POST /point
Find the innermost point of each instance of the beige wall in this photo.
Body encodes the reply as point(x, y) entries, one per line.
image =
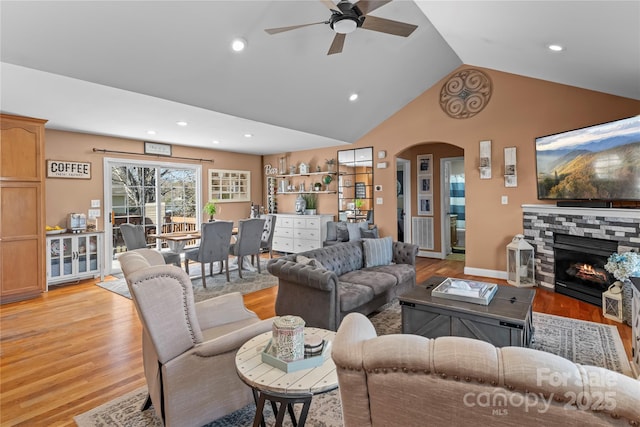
point(75, 195)
point(520, 109)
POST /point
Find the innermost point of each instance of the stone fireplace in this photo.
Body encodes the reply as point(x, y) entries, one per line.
point(579, 266)
point(612, 230)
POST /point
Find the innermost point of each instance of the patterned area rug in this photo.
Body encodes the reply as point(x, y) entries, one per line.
point(586, 343)
point(216, 285)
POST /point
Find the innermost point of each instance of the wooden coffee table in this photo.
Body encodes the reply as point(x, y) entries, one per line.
point(270, 383)
point(506, 321)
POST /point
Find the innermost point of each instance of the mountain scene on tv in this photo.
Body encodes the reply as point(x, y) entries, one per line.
point(596, 163)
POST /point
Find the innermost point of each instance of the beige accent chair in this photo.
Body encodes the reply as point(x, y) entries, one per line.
point(410, 380)
point(189, 348)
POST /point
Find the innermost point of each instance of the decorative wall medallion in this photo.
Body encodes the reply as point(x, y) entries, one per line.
point(465, 94)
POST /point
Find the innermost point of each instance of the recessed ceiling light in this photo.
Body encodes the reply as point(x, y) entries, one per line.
point(238, 45)
point(215, 141)
point(248, 135)
point(182, 123)
point(555, 47)
point(151, 132)
point(353, 97)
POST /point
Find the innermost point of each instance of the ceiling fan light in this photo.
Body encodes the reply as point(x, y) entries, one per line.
point(344, 26)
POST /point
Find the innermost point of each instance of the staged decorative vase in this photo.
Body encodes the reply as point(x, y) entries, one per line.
point(288, 338)
point(301, 205)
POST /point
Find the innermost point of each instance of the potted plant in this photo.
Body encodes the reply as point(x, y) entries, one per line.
point(317, 186)
point(331, 163)
point(311, 203)
point(358, 204)
point(210, 208)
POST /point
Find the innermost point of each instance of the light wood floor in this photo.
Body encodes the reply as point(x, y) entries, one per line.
point(78, 346)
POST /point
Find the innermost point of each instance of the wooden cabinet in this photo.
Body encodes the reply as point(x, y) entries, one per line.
point(22, 218)
point(73, 257)
point(299, 233)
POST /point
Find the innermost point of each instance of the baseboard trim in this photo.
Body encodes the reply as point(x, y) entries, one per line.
point(425, 254)
point(495, 274)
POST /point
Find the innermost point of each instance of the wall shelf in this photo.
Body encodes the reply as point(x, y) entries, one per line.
point(305, 174)
point(307, 192)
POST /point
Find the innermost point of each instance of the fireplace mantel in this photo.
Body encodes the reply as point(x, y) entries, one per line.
point(540, 222)
point(604, 212)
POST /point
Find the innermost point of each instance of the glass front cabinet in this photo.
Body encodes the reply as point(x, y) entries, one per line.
point(73, 257)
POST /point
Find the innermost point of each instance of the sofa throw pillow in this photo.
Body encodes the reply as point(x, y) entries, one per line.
point(342, 232)
point(369, 234)
point(377, 251)
point(332, 233)
point(354, 231)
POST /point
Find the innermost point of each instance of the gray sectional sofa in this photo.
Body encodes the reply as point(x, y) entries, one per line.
point(324, 285)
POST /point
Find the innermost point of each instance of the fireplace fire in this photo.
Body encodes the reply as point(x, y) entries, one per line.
point(579, 266)
point(588, 272)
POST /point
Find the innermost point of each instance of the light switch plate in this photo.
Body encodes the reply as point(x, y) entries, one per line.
point(95, 203)
point(505, 200)
point(378, 200)
point(94, 213)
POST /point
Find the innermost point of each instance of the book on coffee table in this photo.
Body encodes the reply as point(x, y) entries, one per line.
point(466, 290)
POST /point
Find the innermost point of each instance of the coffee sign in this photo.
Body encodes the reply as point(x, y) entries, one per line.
point(66, 169)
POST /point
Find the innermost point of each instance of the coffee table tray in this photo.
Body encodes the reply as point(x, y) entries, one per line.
point(268, 356)
point(447, 289)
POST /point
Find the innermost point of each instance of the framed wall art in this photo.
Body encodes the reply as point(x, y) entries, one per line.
point(425, 205)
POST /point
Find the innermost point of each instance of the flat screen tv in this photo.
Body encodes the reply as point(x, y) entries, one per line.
point(600, 162)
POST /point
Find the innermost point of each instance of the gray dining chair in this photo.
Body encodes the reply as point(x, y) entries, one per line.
point(248, 242)
point(266, 240)
point(135, 237)
point(215, 239)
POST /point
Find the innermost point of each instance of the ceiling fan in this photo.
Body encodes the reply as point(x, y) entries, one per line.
point(350, 16)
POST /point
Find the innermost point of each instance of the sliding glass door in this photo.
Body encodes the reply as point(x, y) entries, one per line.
point(164, 197)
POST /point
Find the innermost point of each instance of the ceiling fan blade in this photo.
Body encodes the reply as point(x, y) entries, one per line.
point(337, 44)
point(331, 5)
point(367, 6)
point(388, 26)
point(293, 27)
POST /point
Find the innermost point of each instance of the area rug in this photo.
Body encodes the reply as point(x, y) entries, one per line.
point(216, 285)
point(583, 342)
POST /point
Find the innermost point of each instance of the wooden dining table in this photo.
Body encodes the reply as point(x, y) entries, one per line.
point(178, 240)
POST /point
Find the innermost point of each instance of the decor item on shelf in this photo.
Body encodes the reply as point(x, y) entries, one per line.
point(612, 302)
point(331, 165)
point(292, 170)
point(358, 203)
point(327, 180)
point(303, 168)
point(301, 205)
point(210, 208)
point(317, 186)
point(318, 168)
point(282, 165)
point(311, 203)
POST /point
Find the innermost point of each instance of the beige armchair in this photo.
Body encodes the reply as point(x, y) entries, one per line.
point(409, 380)
point(189, 348)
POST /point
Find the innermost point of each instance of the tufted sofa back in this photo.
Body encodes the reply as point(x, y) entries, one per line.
point(341, 258)
point(454, 381)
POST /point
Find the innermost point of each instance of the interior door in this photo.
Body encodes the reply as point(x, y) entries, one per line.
point(446, 206)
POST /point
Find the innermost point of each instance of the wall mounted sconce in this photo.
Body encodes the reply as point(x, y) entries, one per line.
point(510, 172)
point(485, 159)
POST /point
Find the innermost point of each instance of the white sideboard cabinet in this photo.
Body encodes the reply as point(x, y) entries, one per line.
point(74, 256)
point(299, 233)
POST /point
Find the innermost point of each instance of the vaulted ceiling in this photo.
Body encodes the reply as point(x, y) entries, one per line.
point(125, 68)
